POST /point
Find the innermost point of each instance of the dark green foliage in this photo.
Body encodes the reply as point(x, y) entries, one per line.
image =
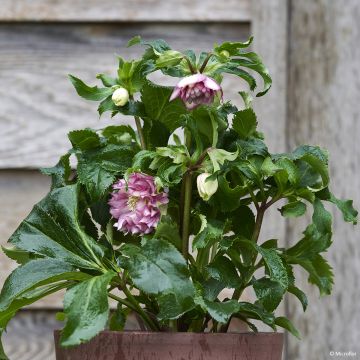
point(68, 241)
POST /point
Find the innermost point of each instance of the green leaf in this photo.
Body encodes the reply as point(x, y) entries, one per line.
point(60, 316)
point(227, 198)
point(288, 325)
point(275, 265)
point(206, 121)
point(345, 206)
point(107, 80)
point(291, 169)
point(157, 105)
point(98, 168)
point(20, 256)
point(219, 156)
point(178, 154)
point(244, 123)
point(211, 230)
point(30, 275)
point(293, 209)
point(52, 230)
point(2, 352)
point(167, 229)
point(254, 62)
point(223, 270)
point(255, 311)
point(87, 309)
point(268, 168)
point(118, 318)
point(169, 173)
point(233, 47)
point(134, 41)
point(155, 133)
point(59, 173)
point(169, 58)
point(234, 70)
point(90, 93)
point(84, 139)
point(26, 299)
point(300, 295)
point(268, 292)
point(312, 164)
point(320, 273)
point(132, 108)
point(243, 221)
point(142, 159)
point(132, 74)
point(219, 311)
point(317, 236)
point(120, 134)
point(247, 98)
point(158, 268)
point(158, 46)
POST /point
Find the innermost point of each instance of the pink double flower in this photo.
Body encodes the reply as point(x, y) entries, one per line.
point(195, 90)
point(136, 204)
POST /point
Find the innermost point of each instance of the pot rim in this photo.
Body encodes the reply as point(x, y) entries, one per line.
point(172, 333)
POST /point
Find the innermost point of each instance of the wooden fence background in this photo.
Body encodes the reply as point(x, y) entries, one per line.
point(312, 50)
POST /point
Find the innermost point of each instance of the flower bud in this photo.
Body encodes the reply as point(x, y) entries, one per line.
point(206, 188)
point(225, 53)
point(120, 97)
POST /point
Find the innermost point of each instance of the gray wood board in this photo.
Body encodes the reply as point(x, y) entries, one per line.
point(124, 10)
point(324, 92)
point(39, 105)
point(29, 334)
point(271, 44)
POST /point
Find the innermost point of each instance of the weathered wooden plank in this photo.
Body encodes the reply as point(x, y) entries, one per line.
point(324, 92)
point(124, 10)
point(271, 109)
point(29, 335)
point(39, 105)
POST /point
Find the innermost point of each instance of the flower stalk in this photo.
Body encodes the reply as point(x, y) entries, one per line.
point(139, 129)
point(186, 214)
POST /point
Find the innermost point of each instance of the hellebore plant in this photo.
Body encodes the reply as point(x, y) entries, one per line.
point(162, 221)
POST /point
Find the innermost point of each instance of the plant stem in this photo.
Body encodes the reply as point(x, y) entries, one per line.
point(140, 310)
point(186, 214)
point(193, 71)
point(139, 129)
point(203, 66)
point(134, 304)
point(173, 325)
point(259, 219)
point(122, 301)
point(140, 132)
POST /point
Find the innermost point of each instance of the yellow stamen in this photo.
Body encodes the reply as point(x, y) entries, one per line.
point(132, 202)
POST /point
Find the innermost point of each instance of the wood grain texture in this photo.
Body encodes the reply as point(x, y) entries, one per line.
point(124, 10)
point(175, 346)
point(324, 92)
point(39, 105)
point(271, 108)
point(30, 335)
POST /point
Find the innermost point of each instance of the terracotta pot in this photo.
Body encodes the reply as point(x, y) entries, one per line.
point(111, 345)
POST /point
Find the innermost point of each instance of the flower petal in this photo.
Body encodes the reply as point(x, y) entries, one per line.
point(191, 80)
point(175, 93)
point(210, 83)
